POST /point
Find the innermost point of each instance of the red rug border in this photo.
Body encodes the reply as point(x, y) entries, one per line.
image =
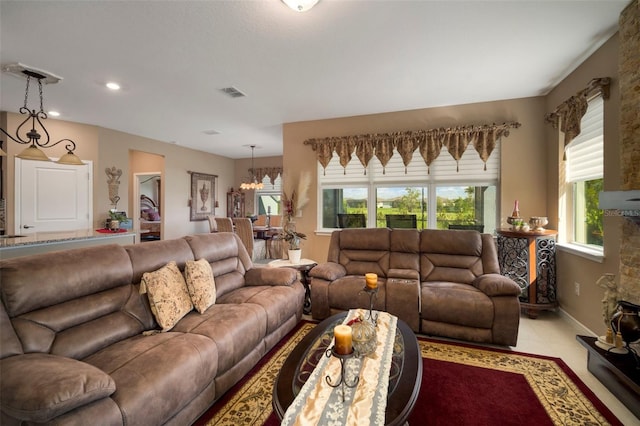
point(589, 394)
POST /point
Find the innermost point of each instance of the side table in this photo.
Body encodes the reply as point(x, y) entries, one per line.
point(304, 266)
point(529, 258)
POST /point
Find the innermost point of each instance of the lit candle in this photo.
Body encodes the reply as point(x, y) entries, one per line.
point(372, 280)
point(344, 345)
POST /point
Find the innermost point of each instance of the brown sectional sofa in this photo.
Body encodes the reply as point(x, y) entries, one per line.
point(72, 348)
point(440, 282)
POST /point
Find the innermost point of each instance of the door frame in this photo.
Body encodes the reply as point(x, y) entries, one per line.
point(137, 177)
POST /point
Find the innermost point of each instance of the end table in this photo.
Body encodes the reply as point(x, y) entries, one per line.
point(304, 266)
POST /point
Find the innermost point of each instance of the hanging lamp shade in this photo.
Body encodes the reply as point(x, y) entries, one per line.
point(33, 153)
point(70, 159)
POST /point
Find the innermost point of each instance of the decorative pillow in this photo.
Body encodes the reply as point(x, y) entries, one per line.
point(40, 387)
point(153, 215)
point(144, 214)
point(200, 283)
point(168, 295)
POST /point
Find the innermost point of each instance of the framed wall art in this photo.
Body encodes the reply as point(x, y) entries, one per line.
point(203, 195)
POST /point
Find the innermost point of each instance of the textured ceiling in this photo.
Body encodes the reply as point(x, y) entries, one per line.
point(342, 58)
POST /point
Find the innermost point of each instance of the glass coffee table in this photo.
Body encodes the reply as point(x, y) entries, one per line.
point(405, 376)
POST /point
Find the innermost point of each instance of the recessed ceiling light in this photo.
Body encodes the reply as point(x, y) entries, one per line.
point(113, 86)
point(54, 113)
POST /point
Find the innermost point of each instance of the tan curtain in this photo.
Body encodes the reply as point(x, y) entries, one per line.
point(271, 172)
point(568, 114)
point(384, 150)
point(406, 145)
point(364, 152)
point(429, 142)
point(430, 147)
point(456, 144)
point(344, 149)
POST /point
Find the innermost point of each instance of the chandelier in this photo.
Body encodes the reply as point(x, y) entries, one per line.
point(253, 184)
point(32, 137)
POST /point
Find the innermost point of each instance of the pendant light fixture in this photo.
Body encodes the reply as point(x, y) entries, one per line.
point(253, 183)
point(32, 137)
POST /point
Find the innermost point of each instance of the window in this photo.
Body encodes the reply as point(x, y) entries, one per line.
point(584, 178)
point(467, 198)
point(268, 198)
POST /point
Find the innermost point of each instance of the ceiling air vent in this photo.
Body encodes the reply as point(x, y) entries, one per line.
point(23, 71)
point(233, 92)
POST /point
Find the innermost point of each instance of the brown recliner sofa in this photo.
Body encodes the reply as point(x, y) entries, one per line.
point(440, 282)
point(72, 348)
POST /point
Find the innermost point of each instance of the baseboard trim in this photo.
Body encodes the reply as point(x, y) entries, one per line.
point(567, 317)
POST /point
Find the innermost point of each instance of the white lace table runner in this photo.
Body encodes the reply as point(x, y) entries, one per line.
point(320, 404)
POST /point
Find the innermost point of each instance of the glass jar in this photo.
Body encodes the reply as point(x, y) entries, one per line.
point(364, 337)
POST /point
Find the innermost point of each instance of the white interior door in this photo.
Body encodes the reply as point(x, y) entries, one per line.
point(53, 197)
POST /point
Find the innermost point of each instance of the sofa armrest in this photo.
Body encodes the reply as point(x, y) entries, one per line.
point(329, 271)
point(40, 387)
point(271, 276)
point(497, 285)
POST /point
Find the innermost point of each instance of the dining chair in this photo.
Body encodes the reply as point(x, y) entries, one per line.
point(224, 224)
point(213, 226)
point(352, 220)
point(401, 221)
point(256, 247)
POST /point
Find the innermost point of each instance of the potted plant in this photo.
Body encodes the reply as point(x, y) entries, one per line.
point(293, 238)
point(115, 217)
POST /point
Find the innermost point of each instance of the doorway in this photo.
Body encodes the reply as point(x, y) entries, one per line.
point(147, 193)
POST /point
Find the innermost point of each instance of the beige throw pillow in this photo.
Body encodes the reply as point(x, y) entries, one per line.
point(168, 295)
point(200, 283)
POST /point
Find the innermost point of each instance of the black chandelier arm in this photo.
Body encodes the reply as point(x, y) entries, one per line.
point(32, 135)
point(70, 146)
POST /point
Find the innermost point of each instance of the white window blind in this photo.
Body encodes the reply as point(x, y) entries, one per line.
point(443, 169)
point(585, 152)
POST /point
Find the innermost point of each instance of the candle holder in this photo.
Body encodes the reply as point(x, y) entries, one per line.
point(343, 381)
point(373, 293)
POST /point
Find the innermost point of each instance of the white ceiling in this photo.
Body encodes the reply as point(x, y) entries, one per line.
point(342, 58)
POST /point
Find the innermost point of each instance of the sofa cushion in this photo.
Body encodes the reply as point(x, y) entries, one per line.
point(168, 295)
point(200, 283)
point(157, 376)
point(456, 303)
point(236, 329)
point(346, 293)
point(40, 387)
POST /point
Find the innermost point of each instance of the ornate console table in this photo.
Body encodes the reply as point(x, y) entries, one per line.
point(529, 258)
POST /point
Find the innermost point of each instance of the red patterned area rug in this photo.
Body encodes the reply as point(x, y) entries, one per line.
point(461, 385)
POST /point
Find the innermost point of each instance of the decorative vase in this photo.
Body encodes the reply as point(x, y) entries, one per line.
point(295, 255)
point(364, 337)
point(114, 225)
point(626, 321)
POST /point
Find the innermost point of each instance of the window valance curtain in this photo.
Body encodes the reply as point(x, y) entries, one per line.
point(271, 172)
point(568, 114)
point(429, 142)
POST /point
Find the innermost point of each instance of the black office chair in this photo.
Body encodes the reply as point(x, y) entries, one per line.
point(402, 221)
point(352, 220)
point(479, 228)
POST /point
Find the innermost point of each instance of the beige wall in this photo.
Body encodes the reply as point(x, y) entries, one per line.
point(523, 153)
point(108, 148)
point(572, 268)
